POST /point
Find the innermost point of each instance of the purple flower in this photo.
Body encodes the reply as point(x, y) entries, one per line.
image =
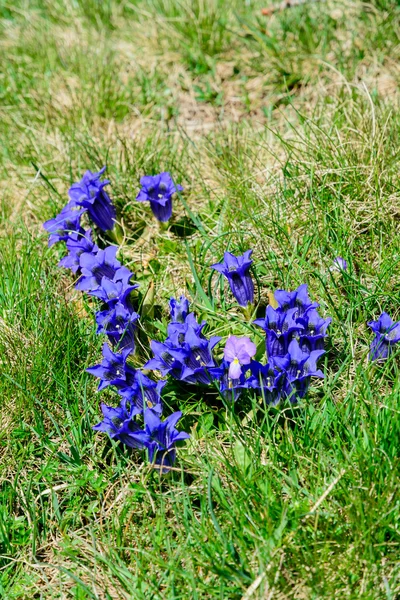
point(77, 243)
point(186, 353)
point(64, 224)
point(94, 266)
point(302, 366)
point(119, 324)
point(160, 437)
point(89, 193)
point(298, 299)
point(314, 332)
point(238, 352)
point(268, 379)
point(158, 190)
point(339, 264)
point(387, 333)
point(280, 327)
point(237, 271)
point(119, 422)
point(179, 309)
point(143, 392)
point(113, 292)
point(113, 370)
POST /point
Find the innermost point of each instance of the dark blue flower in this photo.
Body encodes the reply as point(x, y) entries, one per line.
point(77, 243)
point(119, 324)
point(89, 193)
point(298, 299)
point(186, 353)
point(113, 292)
point(64, 224)
point(113, 370)
point(237, 271)
point(96, 265)
point(119, 422)
point(268, 379)
point(314, 332)
point(302, 366)
point(160, 437)
point(387, 333)
point(280, 327)
point(158, 190)
point(179, 309)
point(143, 392)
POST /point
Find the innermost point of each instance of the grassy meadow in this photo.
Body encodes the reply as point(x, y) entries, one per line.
point(284, 131)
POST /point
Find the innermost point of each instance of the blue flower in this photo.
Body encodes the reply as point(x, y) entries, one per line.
point(314, 332)
point(144, 392)
point(179, 309)
point(77, 243)
point(113, 370)
point(113, 292)
point(160, 437)
point(268, 379)
point(64, 224)
point(302, 366)
point(280, 326)
point(237, 271)
point(298, 299)
point(158, 190)
point(119, 324)
point(96, 265)
point(387, 333)
point(119, 423)
point(339, 264)
point(89, 193)
point(229, 388)
point(186, 353)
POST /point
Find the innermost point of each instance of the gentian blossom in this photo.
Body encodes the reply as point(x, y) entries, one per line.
point(77, 243)
point(186, 353)
point(64, 224)
point(119, 324)
point(113, 292)
point(298, 299)
point(158, 190)
point(119, 422)
point(387, 333)
point(280, 327)
point(95, 266)
point(237, 271)
point(113, 370)
point(89, 194)
point(268, 379)
point(229, 388)
point(143, 392)
point(302, 366)
point(160, 437)
point(179, 309)
point(238, 352)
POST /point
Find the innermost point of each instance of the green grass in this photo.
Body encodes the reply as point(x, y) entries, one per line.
point(284, 133)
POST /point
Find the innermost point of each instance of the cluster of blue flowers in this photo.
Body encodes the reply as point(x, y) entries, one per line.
point(294, 330)
point(101, 275)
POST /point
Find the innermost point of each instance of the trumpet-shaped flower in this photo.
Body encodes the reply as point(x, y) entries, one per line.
point(179, 309)
point(119, 324)
point(237, 271)
point(280, 327)
point(302, 366)
point(160, 437)
point(89, 193)
point(64, 224)
point(158, 190)
point(77, 243)
point(298, 299)
point(113, 370)
point(119, 422)
point(387, 333)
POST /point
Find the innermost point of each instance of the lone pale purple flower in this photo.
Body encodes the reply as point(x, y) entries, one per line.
point(238, 352)
point(237, 271)
point(339, 264)
point(158, 190)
